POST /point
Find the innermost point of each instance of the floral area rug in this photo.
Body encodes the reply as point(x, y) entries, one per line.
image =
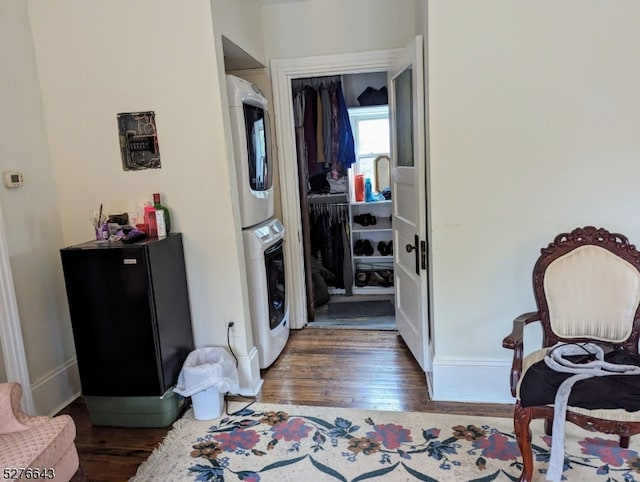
point(266, 442)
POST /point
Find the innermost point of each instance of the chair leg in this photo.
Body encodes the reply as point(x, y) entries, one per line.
point(548, 426)
point(521, 419)
point(624, 441)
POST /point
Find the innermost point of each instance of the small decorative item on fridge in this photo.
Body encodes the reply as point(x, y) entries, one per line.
point(98, 219)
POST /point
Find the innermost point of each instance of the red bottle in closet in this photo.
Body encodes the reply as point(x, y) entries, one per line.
point(359, 187)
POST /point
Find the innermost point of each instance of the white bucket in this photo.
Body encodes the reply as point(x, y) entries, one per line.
point(207, 404)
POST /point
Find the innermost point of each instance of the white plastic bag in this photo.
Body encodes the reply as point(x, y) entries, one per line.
point(205, 368)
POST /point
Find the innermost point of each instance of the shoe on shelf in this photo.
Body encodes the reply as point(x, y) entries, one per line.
point(365, 219)
point(362, 278)
point(361, 219)
point(367, 248)
point(382, 248)
point(358, 248)
point(376, 279)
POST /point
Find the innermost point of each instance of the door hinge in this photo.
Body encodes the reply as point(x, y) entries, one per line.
point(423, 254)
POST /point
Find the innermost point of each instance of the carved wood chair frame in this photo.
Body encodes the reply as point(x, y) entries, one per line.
point(561, 245)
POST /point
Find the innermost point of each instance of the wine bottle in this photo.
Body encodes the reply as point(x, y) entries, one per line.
point(159, 207)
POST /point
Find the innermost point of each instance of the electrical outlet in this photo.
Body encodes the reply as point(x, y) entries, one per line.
point(232, 329)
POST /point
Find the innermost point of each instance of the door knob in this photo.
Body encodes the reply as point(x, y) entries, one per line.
point(410, 247)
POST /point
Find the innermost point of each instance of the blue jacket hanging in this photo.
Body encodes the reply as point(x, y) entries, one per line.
point(346, 149)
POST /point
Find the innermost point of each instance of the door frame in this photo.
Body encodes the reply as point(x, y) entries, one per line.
point(283, 71)
point(15, 359)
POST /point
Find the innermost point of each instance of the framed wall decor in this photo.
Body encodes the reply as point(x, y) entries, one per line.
point(138, 141)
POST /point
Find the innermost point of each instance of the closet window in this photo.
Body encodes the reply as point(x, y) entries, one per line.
point(371, 135)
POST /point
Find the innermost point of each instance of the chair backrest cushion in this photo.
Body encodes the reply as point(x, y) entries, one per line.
point(592, 293)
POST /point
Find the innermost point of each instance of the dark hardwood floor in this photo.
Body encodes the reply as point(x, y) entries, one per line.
point(339, 368)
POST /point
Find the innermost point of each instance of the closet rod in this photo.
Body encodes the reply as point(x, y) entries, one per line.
point(315, 81)
point(328, 203)
point(336, 199)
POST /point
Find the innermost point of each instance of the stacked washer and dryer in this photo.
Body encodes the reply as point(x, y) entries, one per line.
point(263, 235)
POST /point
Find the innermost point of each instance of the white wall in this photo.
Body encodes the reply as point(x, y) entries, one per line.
point(31, 217)
point(323, 27)
point(240, 21)
point(533, 131)
point(98, 59)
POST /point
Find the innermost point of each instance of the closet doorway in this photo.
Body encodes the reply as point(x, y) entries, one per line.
point(284, 74)
point(343, 160)
point(405, 67)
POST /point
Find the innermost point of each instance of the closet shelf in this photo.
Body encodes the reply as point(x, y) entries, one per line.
point(374, 258)
point(370, 203)
point(381, 225)
point(373, 290)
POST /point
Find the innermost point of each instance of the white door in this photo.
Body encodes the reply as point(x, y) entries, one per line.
point(408, 160)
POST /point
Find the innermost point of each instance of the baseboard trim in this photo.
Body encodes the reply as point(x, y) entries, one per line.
point(58, 388)
point(471, 380)
point(249, 373)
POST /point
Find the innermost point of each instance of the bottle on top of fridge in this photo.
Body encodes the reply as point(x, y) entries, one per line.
point(150, 221)
point(162, 215)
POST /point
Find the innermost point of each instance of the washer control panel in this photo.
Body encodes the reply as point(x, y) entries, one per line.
point(264, 234)
point(270, 231)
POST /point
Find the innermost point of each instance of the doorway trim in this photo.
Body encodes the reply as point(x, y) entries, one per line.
point(283, 71)
point(15, 359)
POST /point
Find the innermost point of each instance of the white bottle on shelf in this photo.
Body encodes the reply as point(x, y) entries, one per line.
point(160, 223)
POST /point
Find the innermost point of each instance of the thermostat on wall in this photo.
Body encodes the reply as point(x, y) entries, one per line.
point(12, 179)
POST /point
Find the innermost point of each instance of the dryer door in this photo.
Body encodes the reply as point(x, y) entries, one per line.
point(274, 264)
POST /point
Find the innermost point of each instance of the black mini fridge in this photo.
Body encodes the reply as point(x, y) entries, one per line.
point(131, 321)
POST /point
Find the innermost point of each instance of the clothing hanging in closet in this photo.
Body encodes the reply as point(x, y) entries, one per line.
point(326, 149)
point(324, 138)
point(330, 242)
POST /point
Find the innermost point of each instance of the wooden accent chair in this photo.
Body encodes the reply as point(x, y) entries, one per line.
point(35, 443)
point(587, 289)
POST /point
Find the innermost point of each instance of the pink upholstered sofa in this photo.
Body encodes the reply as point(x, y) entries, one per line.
point(40, 445)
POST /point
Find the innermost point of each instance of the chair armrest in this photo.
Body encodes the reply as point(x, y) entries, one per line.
point(11, 416)
point(514, 341)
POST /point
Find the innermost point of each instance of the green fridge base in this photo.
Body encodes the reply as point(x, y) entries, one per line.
point(139, 412)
